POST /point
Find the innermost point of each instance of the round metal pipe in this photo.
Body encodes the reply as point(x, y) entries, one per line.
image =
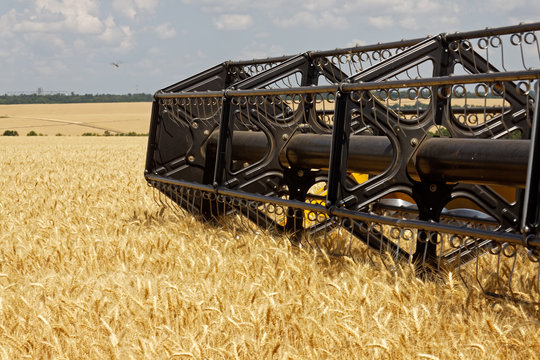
point(480, 161)
point(367, 154)
point(477, 161)
point(249, 146)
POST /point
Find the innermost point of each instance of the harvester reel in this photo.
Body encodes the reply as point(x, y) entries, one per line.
point(425, 149)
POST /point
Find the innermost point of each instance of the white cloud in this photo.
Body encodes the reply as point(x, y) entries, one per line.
point(220, 6)
point(86, 24)
point(121, 36)
point(64, 19)
point(282, 13)
point(355, 43)
point(257, 50)
point(233, 22)
point(313, 20)
point(6, 22)
point(80, 16)
point(448, 21)
point(86, 35)
point(111, 32)
point(54, 16)
point(501, 5)
point(165, 31)
point(132, 8)
point(409, 22)
point(79, 44)
point(125, 7)
point(38, 26)
point(51, 67)
point(319, 5)
point(380, 22)
point(147, 5)
point(411, 6)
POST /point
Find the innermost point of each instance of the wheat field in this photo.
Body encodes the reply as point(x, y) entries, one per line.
point(76, 119)
point(91, 267)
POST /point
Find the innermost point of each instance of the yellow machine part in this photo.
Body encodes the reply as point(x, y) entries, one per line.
point(359, 178)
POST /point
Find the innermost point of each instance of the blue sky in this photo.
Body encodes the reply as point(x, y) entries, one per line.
point(70, 45)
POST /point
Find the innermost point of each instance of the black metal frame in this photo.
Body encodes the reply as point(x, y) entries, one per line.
point(193, 158)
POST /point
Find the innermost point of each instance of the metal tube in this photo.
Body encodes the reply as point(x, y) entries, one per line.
point(487, 32)
point(531, 207)
point(371, 85)
point(367, 154)
point(249, 146)
point(436, 227)
point(477, 161)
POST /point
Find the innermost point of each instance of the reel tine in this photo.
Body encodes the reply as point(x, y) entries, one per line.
point(439, 242)
point(370, 248)
point(161, 203)
point(351, 229)
point(411, 249)
point(459, 246)
point(196, 196)
point(538, 281)
point(239, 215)
point(170, 202)
point(256, 212)
point(506, 252)
point(247, 207)
point(166, 196)
point(424, 239)
point(154, 189)
point(498, 272)
point(477, 267)
point(244, 214)
point(512, 255)
point(183, 198)
point(345, 237)
point(200, 197)
point(190, 201)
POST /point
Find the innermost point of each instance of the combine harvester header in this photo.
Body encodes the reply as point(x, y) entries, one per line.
point(427, 150)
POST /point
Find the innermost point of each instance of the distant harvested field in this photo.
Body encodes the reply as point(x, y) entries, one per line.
point(91, 267)
point(76, 119)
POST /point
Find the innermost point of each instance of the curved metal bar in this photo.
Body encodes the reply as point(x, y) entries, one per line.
point(372, 85)
point(400, 44)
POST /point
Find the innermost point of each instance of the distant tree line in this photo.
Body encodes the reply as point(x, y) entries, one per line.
point(105, 133)
point(72, 98)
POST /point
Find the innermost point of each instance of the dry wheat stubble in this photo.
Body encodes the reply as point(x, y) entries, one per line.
point(90, 268)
